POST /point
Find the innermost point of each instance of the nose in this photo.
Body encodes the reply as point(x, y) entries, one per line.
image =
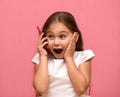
point(56, 42)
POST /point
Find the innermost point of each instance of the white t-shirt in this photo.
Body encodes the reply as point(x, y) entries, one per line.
point(60, 84)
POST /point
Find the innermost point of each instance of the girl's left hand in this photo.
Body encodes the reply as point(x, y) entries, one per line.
point(71, 47)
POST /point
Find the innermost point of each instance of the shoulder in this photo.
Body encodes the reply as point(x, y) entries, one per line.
point(82, 56)
point(36, 58)
point(84, 53)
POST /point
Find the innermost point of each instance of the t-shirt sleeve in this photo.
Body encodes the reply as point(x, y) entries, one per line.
point(36, 59)
point(86, 55)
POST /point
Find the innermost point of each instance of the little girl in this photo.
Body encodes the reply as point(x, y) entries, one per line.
point(62, 67)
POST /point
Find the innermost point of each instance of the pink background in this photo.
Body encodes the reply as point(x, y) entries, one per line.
point(99, 21)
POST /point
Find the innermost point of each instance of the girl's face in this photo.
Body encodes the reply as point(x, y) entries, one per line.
point(58, 36)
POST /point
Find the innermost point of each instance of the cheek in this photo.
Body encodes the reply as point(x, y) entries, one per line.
point(50, 44)
point(66, 43)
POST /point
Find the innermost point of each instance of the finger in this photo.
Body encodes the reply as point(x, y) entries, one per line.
point(40, 36)
point(44, 44)
point(74, 37)
point(70, 44)
point(44, 39)
point(40, 41)
point(73, 41)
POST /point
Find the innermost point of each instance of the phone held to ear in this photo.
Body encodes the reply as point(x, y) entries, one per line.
point(46, 46)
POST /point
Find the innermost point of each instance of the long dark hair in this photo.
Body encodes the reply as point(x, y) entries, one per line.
point(68, 20)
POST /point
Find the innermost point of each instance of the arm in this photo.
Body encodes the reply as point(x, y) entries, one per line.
point(41, 77)
point(80, 77)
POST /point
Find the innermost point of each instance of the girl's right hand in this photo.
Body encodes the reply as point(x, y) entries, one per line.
point(41, 44)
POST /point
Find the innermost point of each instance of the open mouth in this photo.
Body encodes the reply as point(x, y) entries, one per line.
point(58, 51)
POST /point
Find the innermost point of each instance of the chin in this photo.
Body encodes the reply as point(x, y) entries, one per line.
point(58, 56)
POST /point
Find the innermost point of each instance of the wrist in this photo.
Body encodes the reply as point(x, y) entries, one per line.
point(43, 58)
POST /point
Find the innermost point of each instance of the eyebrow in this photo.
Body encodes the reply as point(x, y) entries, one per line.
point(49, 32)
point(63, 31)
point(60, 31)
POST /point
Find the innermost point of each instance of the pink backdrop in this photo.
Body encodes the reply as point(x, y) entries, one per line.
point(99, 21)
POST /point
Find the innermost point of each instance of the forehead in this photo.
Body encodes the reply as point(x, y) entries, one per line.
point(57, 27)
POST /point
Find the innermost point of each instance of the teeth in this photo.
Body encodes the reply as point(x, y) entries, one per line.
point(58, 51)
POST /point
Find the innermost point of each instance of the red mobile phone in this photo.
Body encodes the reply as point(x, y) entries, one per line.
point(46, 46)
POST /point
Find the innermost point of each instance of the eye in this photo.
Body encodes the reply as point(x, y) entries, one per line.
point(50, 36)
point(62, 36)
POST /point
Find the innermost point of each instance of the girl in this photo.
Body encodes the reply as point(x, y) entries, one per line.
point(62, 67)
